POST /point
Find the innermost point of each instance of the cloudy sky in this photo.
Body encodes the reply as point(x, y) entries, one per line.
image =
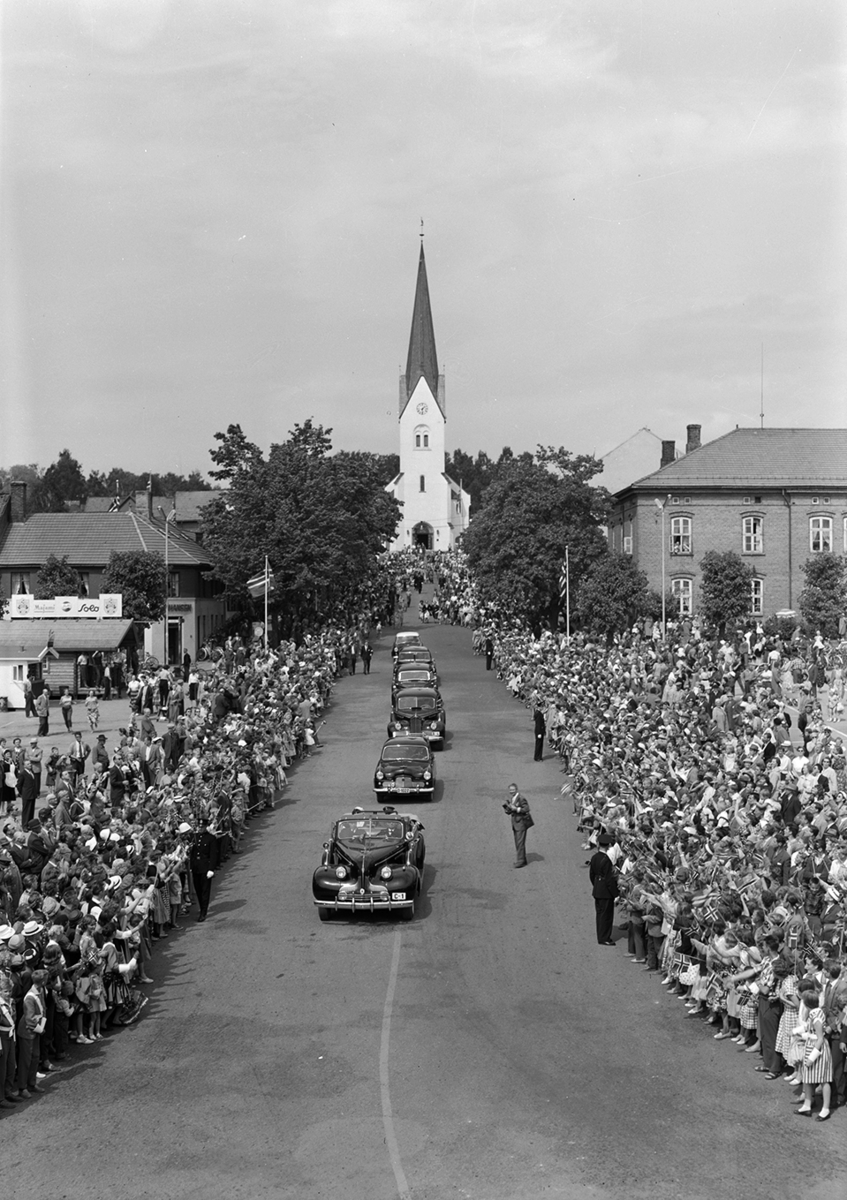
point(211, 208)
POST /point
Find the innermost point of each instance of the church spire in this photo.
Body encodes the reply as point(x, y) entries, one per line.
point(422, 360)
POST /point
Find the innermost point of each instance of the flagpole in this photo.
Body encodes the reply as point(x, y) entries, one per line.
point(267, 583)
point(568, 593)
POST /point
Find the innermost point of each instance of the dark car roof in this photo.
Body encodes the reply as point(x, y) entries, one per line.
point(422, 689)
point(406, 739)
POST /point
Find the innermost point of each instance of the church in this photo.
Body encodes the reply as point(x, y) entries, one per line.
point(435, 509)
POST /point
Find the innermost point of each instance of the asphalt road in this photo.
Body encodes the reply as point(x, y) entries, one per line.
point(490, 1050)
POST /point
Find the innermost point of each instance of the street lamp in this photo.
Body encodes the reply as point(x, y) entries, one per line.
point(168, 517)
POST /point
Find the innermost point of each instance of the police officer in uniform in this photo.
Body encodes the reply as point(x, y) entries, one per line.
point(203, 861)
point(604, 885)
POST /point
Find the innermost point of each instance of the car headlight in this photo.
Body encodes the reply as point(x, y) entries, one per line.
point(398, 725)
point(385, 873)
point(427, 775)
point(433, 725)
point(380, 775)
point(340, 872)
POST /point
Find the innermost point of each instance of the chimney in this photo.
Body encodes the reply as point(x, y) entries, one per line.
point(144, 504)
point(668, 454)
point(18, 507)
point(693, 438)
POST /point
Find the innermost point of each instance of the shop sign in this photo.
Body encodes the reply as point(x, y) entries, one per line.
point(95, 607)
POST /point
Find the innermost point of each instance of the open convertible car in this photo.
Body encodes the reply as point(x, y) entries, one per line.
point(373, 862)
point(406, 765)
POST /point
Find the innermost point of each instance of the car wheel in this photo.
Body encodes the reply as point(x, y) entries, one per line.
point(325, 914)
point(406, 914)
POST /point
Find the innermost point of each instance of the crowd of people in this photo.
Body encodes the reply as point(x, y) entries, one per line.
point(106, 848)
point(705, 771)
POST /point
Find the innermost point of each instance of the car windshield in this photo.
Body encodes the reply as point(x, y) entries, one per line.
point(409, 702)
point(395, 753)
point(370, 830)
point(413, 675)
point(415, 654)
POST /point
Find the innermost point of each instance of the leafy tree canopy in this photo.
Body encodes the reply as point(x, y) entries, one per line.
point(612, 595)
point(63, 480)
point(140, 576)
point(57, 578)
point(320, 518)
point(823, 600)
point(725, 587)
point(534, 509)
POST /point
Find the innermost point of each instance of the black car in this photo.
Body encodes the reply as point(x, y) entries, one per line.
point(412, 674)
point(414, 654)
point(373, 862)
point(405, 638)
point(406, 766)
point(419, 710)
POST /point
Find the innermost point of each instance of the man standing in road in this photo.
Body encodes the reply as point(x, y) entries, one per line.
point(518, 810)
point(42, 708)
point(604, 885)
point(540, 729)
point(489, 651)
point(203, 860)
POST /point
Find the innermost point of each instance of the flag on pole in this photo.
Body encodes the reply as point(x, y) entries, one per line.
point(261, 582)
point(563, 580)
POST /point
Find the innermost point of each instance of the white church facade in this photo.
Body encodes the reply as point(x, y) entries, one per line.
point(435, 509)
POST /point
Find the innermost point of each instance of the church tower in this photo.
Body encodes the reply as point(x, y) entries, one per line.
point(436, 509)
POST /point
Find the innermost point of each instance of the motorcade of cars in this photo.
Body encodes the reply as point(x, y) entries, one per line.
point(373, 862)
point(406, 766)
point(419, 710)
point(404, 638)
point(421, 655)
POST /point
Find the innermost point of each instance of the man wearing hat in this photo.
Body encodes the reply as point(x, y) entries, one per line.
point(34, 755)
point(203, 860)
point(604, 886)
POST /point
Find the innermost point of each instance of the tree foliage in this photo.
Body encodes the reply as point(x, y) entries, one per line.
point(612, 595)
point(62, 481)
point(823, 600)
point(725, 587)
point(140, 576)
point(57, 578)
point(320, 518)
point(534, 508)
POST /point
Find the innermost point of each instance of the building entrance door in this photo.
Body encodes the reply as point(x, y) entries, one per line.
point(422, 536)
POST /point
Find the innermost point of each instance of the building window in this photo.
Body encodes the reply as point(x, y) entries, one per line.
point(173, 583)
point(681, 535)
point(423, 483)
point(84, 584)
point(757, 597)
point(627, 544)
point(417, 441)
point(820, 535)
point(20, 583)
point(753, 540)
point(422, 437)
point(682, 592)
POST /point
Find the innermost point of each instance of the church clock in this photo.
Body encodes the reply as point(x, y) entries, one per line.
point(423, 409)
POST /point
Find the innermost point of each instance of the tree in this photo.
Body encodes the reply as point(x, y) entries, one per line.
point(139, 575)
point(534, 509)
point(321, 519)
point(57, 578)
point(62, 481)
point(612, 595)
point(725, 587)
point(823, 600)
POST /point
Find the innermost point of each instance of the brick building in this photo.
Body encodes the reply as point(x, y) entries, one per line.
point(774, 496)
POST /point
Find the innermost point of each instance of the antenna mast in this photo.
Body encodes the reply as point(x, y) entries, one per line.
point(762, 394)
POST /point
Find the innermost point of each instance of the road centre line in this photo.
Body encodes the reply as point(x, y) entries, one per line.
point(384, 1091)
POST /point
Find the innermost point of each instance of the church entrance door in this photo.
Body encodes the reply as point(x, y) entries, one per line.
point(422, 536)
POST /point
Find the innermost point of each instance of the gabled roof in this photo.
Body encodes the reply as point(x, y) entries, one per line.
point(789, 458)
point(422, 360)
point(89, 538)
point(26, 639)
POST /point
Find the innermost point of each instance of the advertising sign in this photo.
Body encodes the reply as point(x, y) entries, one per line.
point(97, 607)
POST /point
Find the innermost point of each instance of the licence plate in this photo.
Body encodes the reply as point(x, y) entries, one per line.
point(401, 789)
point(398, 895)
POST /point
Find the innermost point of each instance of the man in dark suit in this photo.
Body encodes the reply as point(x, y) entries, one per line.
point(517, 808)
point(540, 729)
point(28, 792)
point(203, 861)
point(604, 886)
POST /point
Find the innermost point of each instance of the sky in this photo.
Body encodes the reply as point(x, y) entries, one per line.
point(210, 214)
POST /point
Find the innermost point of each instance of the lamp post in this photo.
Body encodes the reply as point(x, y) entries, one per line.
point(660, 504)
point(168, 517)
